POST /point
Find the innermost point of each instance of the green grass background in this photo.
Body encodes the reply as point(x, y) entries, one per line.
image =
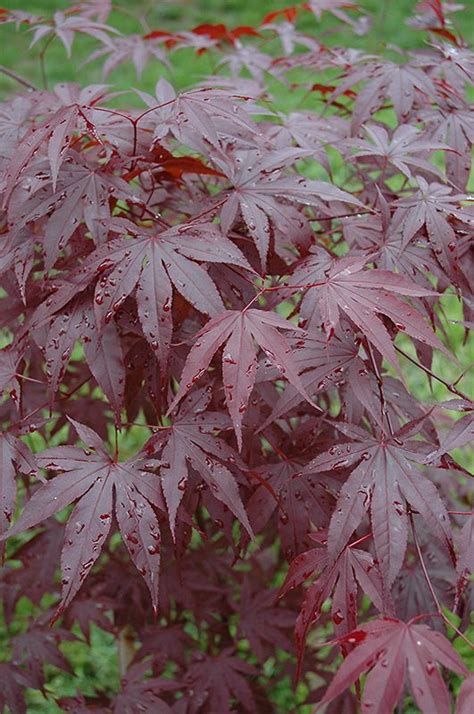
point(388, 28)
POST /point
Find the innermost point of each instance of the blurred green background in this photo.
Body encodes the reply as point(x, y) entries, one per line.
point(140, 16)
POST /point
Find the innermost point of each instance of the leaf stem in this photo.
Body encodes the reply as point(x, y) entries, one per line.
point(450, 387)
point(431, 588)
point(360, 540)
point(460, 513)
point(63, 398)
point(42, 54)
point(378, 378)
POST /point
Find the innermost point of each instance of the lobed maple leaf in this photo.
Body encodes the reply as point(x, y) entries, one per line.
point(340, 577)
point(164, 644)
point(65, 27)
point(55, 132)
point(310, 131)
point(289, 37)
point(454, 126)
point(383, 481)
point(190, 442)
point(251, 59)
point(132, 47)
point(37, 647)
point(85, 612)
point(300, 500)
point(258, 183)
point(344, 285)
point(261, 622)
point(134, 688)
point(406, 149)
point(215, 681)
point(82, 193)
point(411, 590)
point(404, 85)
point(321, 364)
point(100, 486)
point(237, 331)
point(151, 263)
point(388, 649)
point(198, 117)
point(432, 206)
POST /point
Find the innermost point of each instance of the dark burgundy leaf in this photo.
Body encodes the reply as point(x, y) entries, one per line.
point(216, 681)
point(254, 287)
point(238, 331)
point(190, 442)
point(97, 482)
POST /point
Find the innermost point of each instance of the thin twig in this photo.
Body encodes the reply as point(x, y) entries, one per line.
point(13, 75)
point(431, 589)
point(450, 387)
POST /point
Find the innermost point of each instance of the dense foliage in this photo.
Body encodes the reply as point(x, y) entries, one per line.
point(222, 324)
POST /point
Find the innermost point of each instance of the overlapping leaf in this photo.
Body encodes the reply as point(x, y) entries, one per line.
point(238, 331)
point(65, 27)
point(190, 443)
point(12, 452)
point(197, 117)
point(130, 246)
point(344, 286)
point(407, 149)
point(341, 577)
point(258, 184)
point(99, 486)
point(382, 483)
point(82, 193)
point(264, 624)
point(299, 500)
point(215, 681)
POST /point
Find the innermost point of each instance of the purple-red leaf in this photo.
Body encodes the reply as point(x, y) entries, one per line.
point(386, 649)
point(238, 332)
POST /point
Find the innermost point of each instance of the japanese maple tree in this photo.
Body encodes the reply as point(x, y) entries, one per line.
point(235, 412)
